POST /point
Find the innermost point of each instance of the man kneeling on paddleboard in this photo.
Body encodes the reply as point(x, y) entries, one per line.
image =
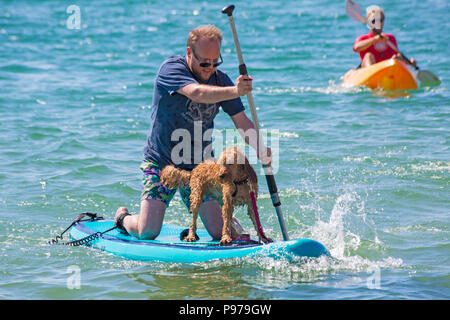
point(188, 92)
point(374, 47)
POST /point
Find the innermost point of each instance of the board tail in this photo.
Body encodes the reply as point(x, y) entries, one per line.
point(175, 178)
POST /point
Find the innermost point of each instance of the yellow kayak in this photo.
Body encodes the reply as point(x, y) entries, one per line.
point(391, 74)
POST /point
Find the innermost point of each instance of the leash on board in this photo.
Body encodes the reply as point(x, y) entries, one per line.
point(82, 241)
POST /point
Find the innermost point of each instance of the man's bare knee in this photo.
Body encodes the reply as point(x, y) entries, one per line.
point(148, 234)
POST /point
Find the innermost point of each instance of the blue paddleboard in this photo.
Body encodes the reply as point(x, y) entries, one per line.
point(168, 247)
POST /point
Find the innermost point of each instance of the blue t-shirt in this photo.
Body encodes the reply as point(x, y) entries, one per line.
point(180, 129)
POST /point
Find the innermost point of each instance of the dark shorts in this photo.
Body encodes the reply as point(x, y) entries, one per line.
point(154, 189)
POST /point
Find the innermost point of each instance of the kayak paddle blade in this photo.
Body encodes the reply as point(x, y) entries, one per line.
point(354, 11)
point(428, 78)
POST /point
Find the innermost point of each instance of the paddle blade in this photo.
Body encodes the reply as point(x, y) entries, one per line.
point(428, 78)
point(354, 11)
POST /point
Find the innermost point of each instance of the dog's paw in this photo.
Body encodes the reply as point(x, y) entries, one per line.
point(225, 240)
point(265, 240)
point(190, 239)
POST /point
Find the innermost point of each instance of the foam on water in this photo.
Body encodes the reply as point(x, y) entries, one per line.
point(349, 250)
point(341, 234)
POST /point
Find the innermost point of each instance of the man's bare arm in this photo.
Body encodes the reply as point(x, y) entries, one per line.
point(203, 93)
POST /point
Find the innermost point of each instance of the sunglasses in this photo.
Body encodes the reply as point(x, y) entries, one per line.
point(207, 64)
point(381, 21)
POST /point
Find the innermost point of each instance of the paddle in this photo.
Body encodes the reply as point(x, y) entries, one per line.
point(426, 77)
point(267, 169)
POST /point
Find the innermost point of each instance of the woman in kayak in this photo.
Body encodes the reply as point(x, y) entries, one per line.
point(373, 47)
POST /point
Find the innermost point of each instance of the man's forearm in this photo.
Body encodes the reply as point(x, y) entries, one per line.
point(203, 93)
point(248, 132)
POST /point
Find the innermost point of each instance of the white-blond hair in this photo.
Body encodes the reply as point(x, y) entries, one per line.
point(373, 9)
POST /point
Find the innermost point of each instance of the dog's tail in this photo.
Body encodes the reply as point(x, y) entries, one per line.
point(175, 178)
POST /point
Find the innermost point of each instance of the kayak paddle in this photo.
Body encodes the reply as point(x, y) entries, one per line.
point(426, 77)
point(228, 10)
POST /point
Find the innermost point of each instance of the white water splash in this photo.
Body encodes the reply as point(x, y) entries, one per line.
point(333, 234)
point(344, 244)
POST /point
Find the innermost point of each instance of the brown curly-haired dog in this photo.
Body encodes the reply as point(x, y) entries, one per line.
point(228, 181)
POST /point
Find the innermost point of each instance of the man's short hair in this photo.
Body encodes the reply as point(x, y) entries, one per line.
point(209, 31)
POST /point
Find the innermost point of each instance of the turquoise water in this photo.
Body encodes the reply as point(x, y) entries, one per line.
point(365, 174)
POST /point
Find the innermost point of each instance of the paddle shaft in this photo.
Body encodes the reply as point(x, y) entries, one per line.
point(267, 169)
point(393, 47)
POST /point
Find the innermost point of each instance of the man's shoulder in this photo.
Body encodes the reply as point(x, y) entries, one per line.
point(178, 61)
point(221, 73)
point(223, 78)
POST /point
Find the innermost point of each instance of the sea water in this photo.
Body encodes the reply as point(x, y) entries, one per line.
point(367, 174)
